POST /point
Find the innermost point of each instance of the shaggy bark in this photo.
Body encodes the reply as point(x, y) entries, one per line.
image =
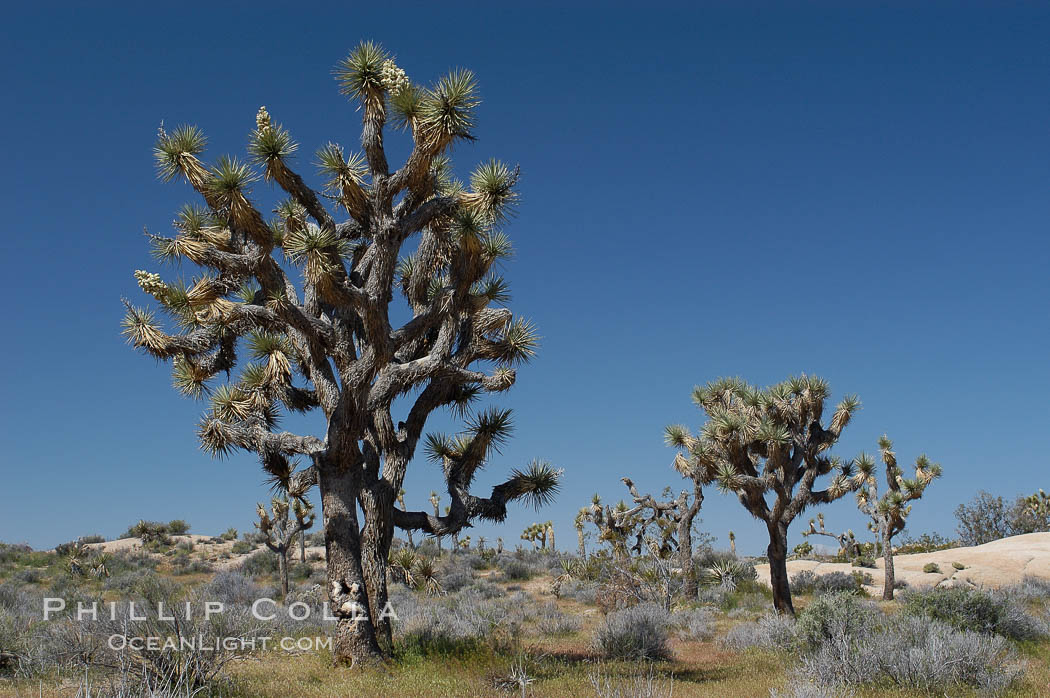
point(689, 511)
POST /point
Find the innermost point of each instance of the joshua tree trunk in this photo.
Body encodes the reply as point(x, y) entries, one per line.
point(282, 568)
point(302, 547)
point(581, 545)
point(377, 504)
point(778, 576)
point(887, 556)
point(685, 542)
point(353, 641)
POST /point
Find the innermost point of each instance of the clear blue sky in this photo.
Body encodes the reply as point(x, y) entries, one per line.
point(861, 193)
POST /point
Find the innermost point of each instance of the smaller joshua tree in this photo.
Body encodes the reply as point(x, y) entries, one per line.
point(280, 526)
point(614, 525)
point(582, 517)
point(732, 542)
point(499, 546)
point(848, 545)
point(674, 519)
point(284, 480)
point(536, 533)
point(888, 514)
point(768, 447)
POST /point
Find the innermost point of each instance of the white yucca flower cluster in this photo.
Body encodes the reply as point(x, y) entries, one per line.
point(262, 119)
point(394, 78)
point(151, 283)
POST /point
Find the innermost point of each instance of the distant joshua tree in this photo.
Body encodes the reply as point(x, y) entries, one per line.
point(310, 301)
point(758, 442)
point(732, 542)
point(536, 534)
point(888, 514)
point(848, 545)
point(674, 518)
point(285, 520)
point(581, 536)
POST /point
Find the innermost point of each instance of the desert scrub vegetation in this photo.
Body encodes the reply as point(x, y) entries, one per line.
point(933, 644)
point(637, 632)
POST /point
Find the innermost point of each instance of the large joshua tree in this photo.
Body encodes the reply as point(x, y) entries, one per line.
point(312, 301)
point(759, 442)
point(888, 513)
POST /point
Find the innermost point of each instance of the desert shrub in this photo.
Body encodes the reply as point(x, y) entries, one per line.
point(552, 621)
point(728, 573)
point(184, 546)
point(639, 632)
point(931, 568)
point(178, 527)
point(241, 547)
point(770, 632)
point(750, 597)
point(187, 565)
point(975, 610)
point(260, 563)
point(912, 652)
point(807, 582)
point(92, 538)
point(125, 582)
point(230, 534)
point(958, 565)
point(455, 580)
point(232, 588)
point(193, 665)
point(29, 575)
point(473, 561)
point(986, 518)
point(486, 589)
point(154, 588)
point(832, 616)
point(695, 623)
point(803, 582)
point(130, 560)
point(716, 596)
point(863, 562)
point(581, 591)
point(517, 570)
point(1030, 589)
point(925, 543)
point(148, 532)
point(456, 623)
